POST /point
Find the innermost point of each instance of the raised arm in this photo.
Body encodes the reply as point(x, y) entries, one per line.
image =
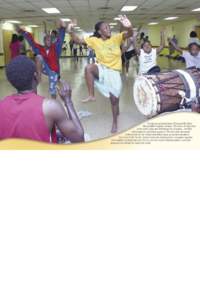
point(74, 36)
point(125, 22)
point(29, 38)
point(77, 131)
point(61, 37)
point(176, 46)
point(66, 121)
point(162, 42)
point(137, 49)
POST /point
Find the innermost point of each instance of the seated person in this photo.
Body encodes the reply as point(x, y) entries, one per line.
point(148, 56)
point(27, 115)
point(193, 38)
point(192, 56)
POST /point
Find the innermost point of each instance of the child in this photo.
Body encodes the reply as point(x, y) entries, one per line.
point(47, 56)
point(106, 74)
point(192, 57)
point(193, 38)
point(148, 56)
point(14, 46)
point(128, 51)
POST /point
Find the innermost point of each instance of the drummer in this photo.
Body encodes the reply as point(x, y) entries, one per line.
point(148, 56)
point(192, 56)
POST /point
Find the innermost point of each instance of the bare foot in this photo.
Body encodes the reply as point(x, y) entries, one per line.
point(114, 128)
point(89, 99)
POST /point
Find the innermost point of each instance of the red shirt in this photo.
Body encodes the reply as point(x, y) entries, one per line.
point(15, 49)
point(21, 116)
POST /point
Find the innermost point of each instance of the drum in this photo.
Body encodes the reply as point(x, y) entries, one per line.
point(166, 92)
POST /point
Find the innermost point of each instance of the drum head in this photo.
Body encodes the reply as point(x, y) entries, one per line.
point(145, 96)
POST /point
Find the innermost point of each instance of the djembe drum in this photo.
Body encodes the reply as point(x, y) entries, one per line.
point(166, 92)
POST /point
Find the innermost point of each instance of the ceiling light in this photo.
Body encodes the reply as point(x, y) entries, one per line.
point(153, 23)
point(170, 18)
point(113, 24)
point(128, 8)
point(14, 22)
point(196, 9)
point(8, 26)
point(33, 26)
point(117, 19)
point(51, 10)
point(66, 20)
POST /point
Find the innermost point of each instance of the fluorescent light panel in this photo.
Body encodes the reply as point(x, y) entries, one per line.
point(66, 20)
point(196, 9)
point(170, 18)
point(51, 10)
point(153, 23)
point(128, 8)
point(14, 22)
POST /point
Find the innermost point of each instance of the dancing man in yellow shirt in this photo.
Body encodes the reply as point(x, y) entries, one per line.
point(105, 75)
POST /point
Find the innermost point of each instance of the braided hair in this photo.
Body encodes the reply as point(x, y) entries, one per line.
point(97, 28)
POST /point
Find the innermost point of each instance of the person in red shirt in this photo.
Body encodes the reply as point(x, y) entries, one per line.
point(14, 46)
point(47, 55)
point(27, 115)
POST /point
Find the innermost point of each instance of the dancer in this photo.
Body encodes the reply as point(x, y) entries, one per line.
point(75, 52)
point(81, 50)
point(27, 115)
point(106, 74)
point(90, 56)
point(171, 47)
point(71, 44)
point(192, 57)
point(22, 45)
point(128, 50)
point(47, 56)
point(193, 38)
point(14, 46)
point(148, 56)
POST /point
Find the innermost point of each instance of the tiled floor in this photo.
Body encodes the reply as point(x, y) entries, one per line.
point(98, 125)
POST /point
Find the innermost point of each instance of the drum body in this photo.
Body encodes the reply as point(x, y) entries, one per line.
point(165, 92)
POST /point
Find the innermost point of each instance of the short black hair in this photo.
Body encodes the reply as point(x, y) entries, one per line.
point(55, 32)
point(193, 34)
point(21, 38)
point(145, 42)
point(193, 44)
point(20, 73)
point(14, 38)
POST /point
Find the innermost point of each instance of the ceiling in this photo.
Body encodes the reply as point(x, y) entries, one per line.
point(88, 12)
